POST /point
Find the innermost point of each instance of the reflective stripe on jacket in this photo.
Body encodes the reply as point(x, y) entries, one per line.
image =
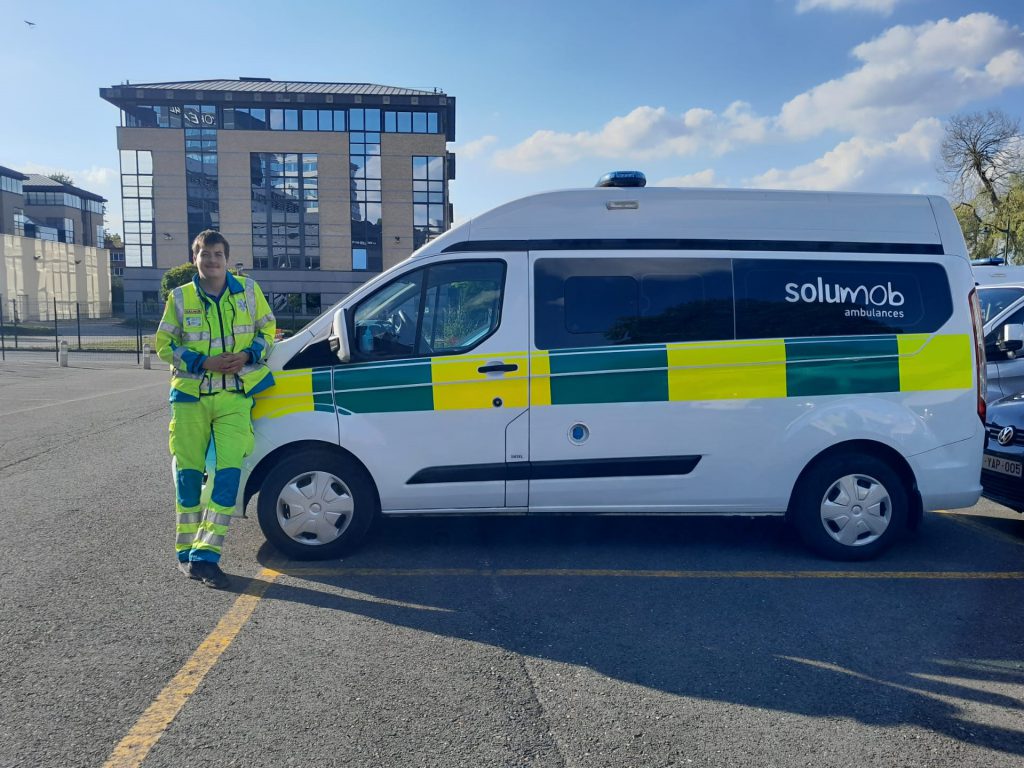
point(195, 326)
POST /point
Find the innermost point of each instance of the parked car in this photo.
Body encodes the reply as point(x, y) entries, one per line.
point(1002, 464)
point(1001, 298)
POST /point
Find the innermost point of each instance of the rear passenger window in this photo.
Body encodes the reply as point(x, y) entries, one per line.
point(601, 302)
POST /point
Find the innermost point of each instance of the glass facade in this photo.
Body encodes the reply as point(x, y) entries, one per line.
point(365, 171)
point(19, 222)
point(201, 187)
point(137, 206)
point(285, 210)
point(64, 199)
point(314, 117)
point(428, 203)
point(7, 184)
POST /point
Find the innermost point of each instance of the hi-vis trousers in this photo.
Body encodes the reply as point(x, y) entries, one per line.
point(225, 419)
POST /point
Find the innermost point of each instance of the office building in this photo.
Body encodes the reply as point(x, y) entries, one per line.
point(317, 186)
point(51, 248)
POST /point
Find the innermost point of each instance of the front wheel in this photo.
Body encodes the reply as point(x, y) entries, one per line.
point(850, 507)
point(317, 505)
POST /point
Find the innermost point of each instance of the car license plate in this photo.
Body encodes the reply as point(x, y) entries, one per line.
point(1002, 466)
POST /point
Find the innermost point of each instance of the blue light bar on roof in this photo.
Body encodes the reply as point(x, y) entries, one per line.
point(623, 179)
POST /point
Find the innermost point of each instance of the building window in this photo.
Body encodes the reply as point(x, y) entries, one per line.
point(411, 122)
point(201, 180)
point(7, 184)
point(19, 222)
point(428, 203)
point(365, 172)
point(62, 199)
point(137, 206)
point(285, 211)
point(68, 231)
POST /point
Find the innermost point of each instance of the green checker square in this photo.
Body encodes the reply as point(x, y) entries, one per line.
point(842, 366)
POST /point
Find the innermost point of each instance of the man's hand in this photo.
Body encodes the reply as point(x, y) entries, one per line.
point(226, 362)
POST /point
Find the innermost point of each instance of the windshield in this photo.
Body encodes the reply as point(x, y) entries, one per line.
point(995, 300)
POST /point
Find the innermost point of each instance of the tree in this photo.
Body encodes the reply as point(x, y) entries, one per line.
point(983, 162)
point(62, 178)
point(112, 240)
point(174, 277)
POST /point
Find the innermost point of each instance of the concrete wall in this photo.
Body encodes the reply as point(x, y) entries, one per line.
point(35, 272)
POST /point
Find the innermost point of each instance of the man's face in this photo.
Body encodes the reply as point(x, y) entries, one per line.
point(212, 262)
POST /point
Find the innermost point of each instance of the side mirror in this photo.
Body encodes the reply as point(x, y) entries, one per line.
point(339, 337)
point(1011, 339)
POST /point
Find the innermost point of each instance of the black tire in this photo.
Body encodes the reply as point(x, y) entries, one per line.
point(858, 538)
point(343, 483)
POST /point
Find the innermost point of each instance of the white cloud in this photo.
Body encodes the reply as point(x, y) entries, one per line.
point(884, 7)
point(907, 72)
point(474, 149)
point(867, 164)
point(643, 134)
point(705, 178)
point(904, 74)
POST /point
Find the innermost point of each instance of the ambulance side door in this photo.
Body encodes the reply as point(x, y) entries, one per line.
point(438, 374)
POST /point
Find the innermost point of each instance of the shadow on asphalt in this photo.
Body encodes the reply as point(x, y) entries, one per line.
point(883, 652)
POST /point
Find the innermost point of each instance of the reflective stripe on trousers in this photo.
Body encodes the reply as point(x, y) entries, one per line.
point(204, 513)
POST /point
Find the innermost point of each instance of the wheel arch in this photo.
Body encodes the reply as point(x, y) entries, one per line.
point(263, 467)
point(880, 451)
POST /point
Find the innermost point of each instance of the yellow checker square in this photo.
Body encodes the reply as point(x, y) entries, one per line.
point(935, 362)
point(459, 385)
point(727, 370)
point(292, 393)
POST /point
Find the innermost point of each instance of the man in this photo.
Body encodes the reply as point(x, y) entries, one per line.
point(216, 333)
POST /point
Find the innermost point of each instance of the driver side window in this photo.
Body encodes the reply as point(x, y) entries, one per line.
point(442, 309)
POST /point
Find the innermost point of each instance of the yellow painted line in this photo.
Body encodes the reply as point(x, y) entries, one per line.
point(652, 574)
point(969, 522)
point(134, 747)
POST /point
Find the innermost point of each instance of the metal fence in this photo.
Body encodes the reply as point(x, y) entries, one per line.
point(95, 330)
point(90, 329)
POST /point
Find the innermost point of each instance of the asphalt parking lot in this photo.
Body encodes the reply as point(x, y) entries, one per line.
point(466, 642)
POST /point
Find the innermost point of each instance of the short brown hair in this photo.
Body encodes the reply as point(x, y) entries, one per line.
point(210, 237)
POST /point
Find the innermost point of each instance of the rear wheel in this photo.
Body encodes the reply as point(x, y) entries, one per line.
point(317, 505)
point(850, 507)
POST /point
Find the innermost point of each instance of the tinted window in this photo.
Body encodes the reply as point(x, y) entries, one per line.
point(599, 302)
point(786, 298)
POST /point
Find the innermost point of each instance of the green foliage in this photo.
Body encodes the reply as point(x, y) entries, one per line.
point(174, 277)
point(993, 231)
point(62, 178)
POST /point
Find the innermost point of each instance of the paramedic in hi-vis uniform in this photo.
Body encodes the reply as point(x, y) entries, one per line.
point(216, 334)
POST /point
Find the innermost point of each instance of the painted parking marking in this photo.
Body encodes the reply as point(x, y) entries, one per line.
point(134, 747)
point(340, 570)
point(58, 403)
point(154, 722)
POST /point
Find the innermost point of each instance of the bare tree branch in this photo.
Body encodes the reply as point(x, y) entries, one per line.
point(980, 153)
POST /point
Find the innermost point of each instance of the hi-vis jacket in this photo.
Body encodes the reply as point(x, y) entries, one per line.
point(195, 326)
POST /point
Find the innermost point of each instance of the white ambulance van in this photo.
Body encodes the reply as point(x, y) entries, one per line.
point(623, 350)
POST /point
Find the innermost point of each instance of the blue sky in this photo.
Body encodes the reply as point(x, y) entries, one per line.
point(806, 94)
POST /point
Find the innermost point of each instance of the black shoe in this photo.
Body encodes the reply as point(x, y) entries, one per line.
point(186, 568)
point(210, 574)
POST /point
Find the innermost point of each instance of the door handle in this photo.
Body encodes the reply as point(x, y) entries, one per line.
point(498, 368)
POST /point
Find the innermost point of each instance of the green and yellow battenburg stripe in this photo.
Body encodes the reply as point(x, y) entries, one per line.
point(714, 370)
